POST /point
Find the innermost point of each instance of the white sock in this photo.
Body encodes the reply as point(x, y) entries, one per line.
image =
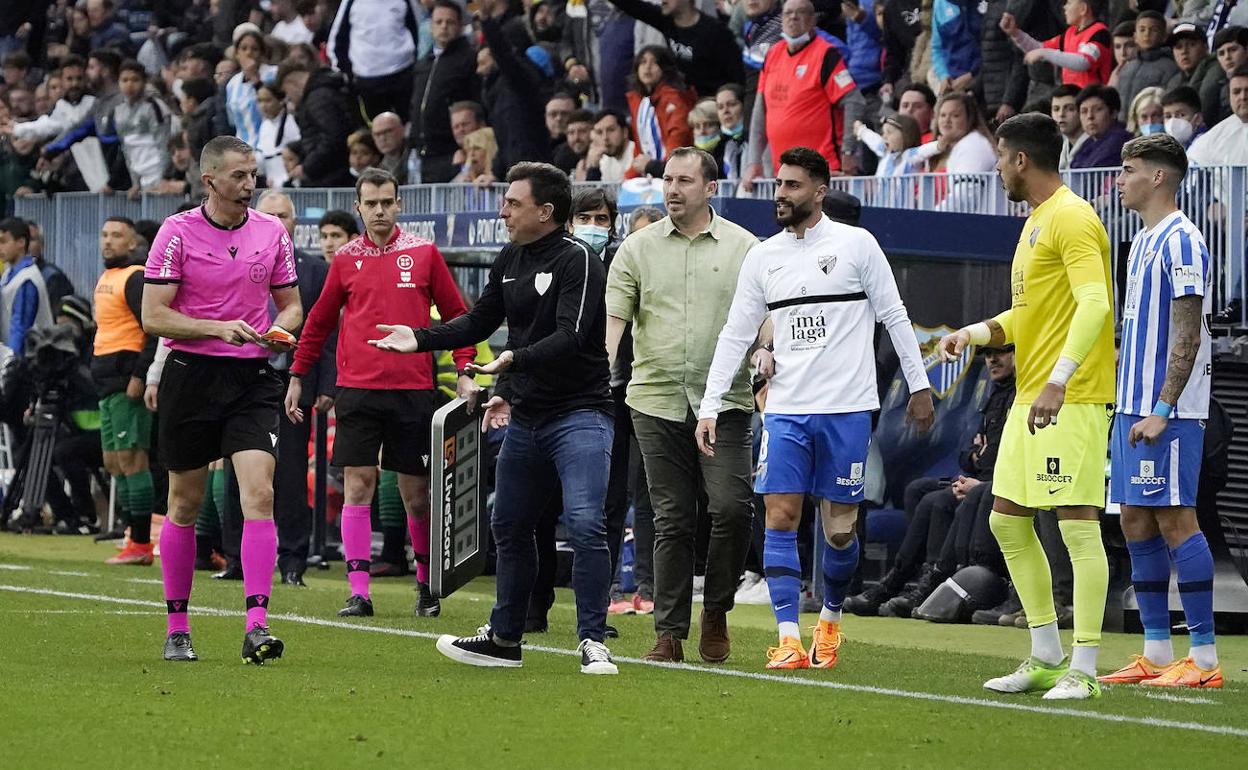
point(831, 616)
point(1205, 656)
point(1159, 651)
point(790, 629)
point(1046, 644)
point(1083, 659)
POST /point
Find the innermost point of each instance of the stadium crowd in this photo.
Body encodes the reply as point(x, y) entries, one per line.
point(125, 96)
point(436, 92)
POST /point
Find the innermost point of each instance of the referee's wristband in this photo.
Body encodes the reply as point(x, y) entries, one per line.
point(1162, 409)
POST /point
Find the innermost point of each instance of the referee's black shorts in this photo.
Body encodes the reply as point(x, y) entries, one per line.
point(395, 423)
point(212, 406)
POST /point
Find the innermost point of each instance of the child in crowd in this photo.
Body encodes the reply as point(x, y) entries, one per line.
point(1125, 49)
point(1082, 52)
point(897, 145)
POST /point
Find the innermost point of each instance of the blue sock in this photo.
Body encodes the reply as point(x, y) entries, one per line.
point(839, 565)
point(1150, 573)
point(1194, 563)
point(784, 578)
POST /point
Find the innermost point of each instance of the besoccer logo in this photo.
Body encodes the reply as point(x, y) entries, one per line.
point(1148, 474)
point(1053, 472)
point(855, 477)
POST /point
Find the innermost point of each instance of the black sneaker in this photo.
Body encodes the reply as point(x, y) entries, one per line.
point(427, 605)
point(868, 602)
point(992, 617)
point(596, 658)
point(611, 632)
point(903, 605)
point(178, 647)
point(357, 607)
point(259, 645)
point(479, 650)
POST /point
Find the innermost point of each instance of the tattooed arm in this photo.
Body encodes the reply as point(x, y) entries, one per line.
point(1185, 314)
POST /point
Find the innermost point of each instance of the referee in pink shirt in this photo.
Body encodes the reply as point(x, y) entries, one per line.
point(210, 275)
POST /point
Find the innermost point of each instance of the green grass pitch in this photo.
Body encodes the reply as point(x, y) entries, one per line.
point(84, 686)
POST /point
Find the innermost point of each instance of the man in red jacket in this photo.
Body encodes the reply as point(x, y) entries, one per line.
point(385, 403)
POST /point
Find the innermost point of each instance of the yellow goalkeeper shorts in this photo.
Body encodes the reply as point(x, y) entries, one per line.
point(1061, 464)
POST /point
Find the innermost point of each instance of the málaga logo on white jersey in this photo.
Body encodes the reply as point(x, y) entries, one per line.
point(827, 264)
point(808, 331)
point(541, 282)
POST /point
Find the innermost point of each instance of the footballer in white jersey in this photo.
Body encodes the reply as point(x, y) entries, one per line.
point(824, 286)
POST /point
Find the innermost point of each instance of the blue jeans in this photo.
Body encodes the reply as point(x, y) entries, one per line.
point(573, 450)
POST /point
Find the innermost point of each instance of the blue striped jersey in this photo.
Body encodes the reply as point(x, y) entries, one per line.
point(1167, 261)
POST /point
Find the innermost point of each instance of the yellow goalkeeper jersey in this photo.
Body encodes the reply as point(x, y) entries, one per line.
point(1063, 246)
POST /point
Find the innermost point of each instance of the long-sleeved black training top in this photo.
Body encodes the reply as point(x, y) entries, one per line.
point(552, 293)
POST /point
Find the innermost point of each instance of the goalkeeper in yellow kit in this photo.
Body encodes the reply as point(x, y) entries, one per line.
point(1053, 448)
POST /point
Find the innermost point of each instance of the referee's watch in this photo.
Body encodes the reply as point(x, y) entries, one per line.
point(463, 372)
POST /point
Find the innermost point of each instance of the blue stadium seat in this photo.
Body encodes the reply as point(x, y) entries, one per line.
point(907, 455)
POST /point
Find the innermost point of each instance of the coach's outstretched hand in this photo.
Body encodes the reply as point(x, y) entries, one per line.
point(1046, 406)
point(497, 366)
point(920, 412)
point(467, 388)
point(399, 339)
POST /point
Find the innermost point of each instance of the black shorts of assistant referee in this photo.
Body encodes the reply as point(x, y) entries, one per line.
point(211, 407)
point(396, 423)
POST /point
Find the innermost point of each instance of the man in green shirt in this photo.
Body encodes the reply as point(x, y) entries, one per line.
point(674, 280)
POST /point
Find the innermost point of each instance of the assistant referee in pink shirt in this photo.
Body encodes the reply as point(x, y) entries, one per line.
point(210, 275)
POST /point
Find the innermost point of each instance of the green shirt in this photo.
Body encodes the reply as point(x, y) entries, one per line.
point(677, 291)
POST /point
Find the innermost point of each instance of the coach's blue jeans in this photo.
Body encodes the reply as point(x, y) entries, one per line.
point(573, 450)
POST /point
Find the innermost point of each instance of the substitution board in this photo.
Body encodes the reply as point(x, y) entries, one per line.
point(458, 519)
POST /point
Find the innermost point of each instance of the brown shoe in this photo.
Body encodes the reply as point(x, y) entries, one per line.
point(667, 649)
point(714, 646)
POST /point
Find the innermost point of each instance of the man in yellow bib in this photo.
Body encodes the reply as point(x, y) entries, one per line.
point(1060, 322)
point(123, 351)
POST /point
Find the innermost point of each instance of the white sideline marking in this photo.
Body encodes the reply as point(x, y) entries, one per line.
point(1180, 698)
point(1238, 732)
point(146, 581)
point(15, 567)
point(84, 612)
point(69, 572)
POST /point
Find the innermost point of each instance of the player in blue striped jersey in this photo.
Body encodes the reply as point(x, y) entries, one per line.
point(1163, 400)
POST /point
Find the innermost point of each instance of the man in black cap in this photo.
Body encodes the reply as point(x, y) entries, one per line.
point(1190, 47)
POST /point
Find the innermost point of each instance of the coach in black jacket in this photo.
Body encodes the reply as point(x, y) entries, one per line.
point(447, 75)
point(550, 288)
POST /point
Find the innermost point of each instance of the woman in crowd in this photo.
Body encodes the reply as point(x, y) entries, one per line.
point(480, 147)
point(659, 103)
point(1146, 115)
point(730, 104)
point(240, 92)
point(704, 123)
point(965, 148)
point(277, 129)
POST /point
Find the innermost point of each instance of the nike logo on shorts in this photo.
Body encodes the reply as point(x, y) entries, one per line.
point(856, 490)
point(508, 280)
point(1153, 491)
point(1055, 491)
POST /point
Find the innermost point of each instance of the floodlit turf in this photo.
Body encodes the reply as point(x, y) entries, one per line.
point(84, 686)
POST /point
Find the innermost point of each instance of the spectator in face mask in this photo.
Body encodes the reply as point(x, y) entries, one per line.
point(704, 122)
point(1181, 116)
point(1145, 115)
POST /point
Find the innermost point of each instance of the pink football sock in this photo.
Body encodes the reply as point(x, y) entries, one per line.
point(357, 546)
point(418, 530)
point(259, 556)
point(177, 570)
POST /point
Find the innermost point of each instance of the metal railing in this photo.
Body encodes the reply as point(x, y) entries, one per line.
point(71, 221)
